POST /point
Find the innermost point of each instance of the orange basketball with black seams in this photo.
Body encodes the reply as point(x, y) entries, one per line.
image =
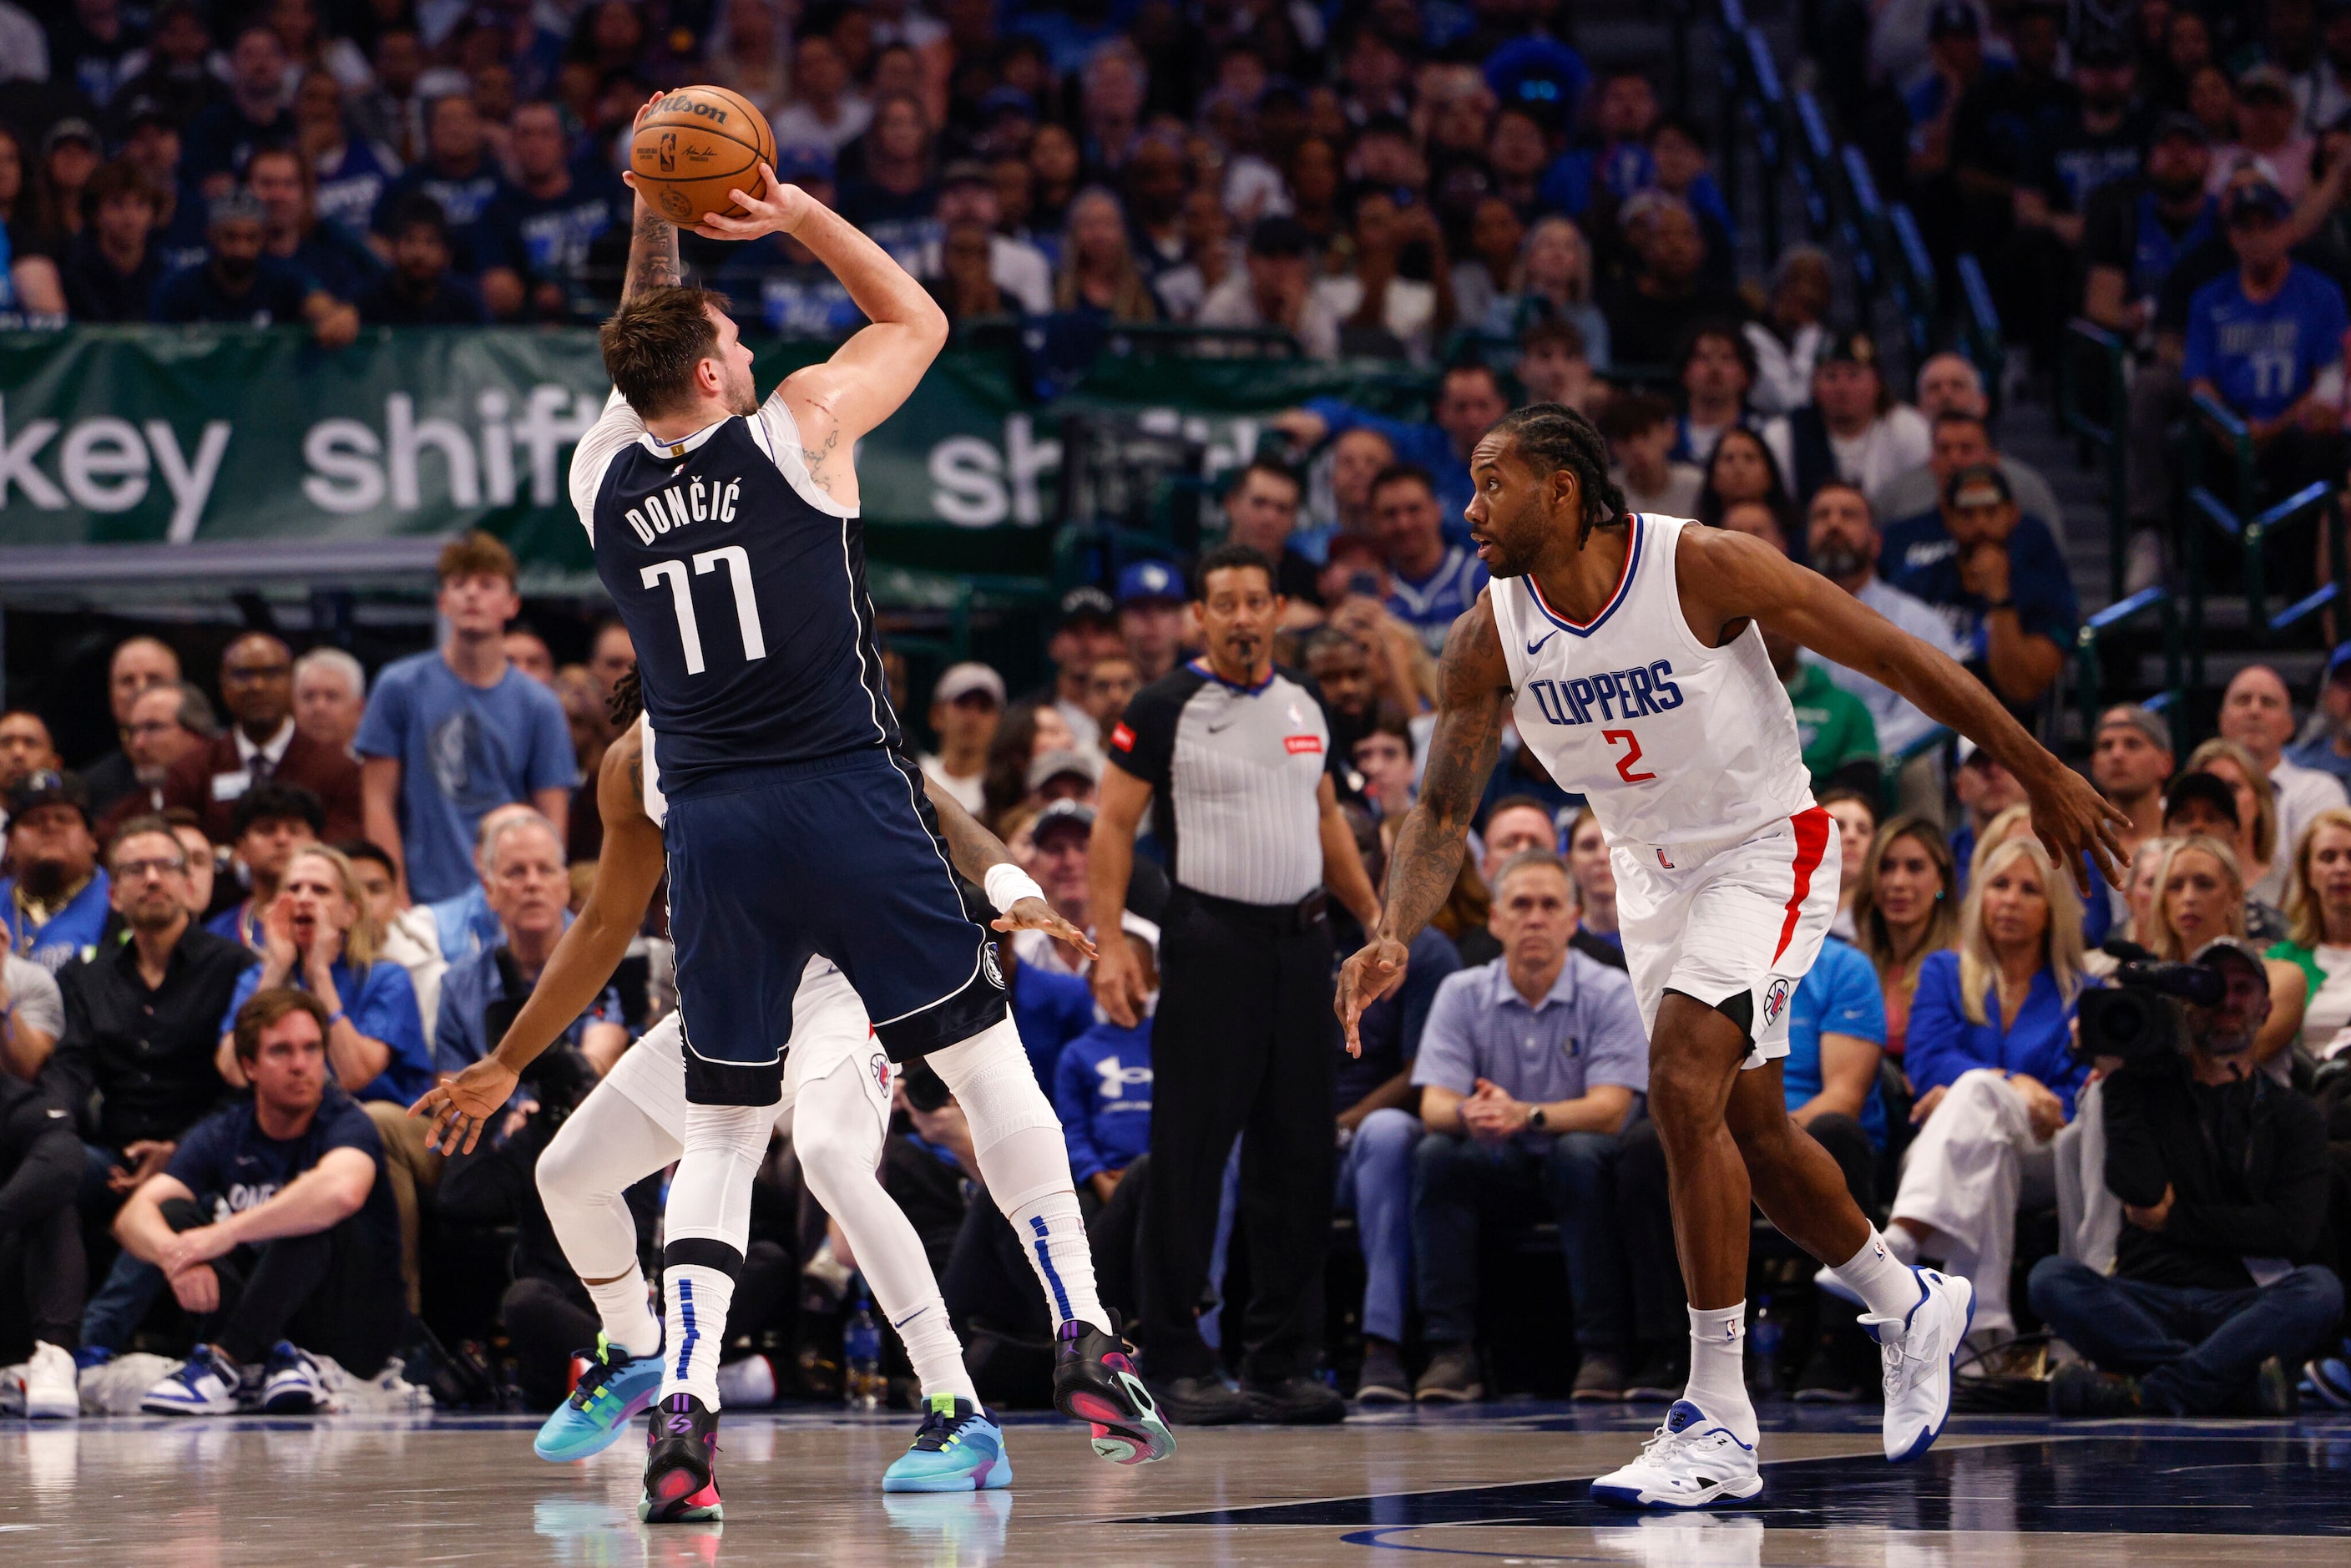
point(699, 144)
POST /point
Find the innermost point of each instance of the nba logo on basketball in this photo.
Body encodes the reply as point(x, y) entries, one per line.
point(1774, 1000)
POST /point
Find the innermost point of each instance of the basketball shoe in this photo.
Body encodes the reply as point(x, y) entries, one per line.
point(1920, 1350)
point(1094, 1381)
point(291, 1383)
point(958, 1449)
point(613, 1388)
point(49, 1386)
point(681, 1463)
point(1692, 1461)
point(207, 1383)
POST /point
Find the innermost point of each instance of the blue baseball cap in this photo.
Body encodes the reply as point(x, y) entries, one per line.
point(1148, 580)
point(803, 163)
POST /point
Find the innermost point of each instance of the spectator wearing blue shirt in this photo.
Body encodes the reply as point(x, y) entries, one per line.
point(1378, 1130)
point(1102, 1088)
point(527, 893)
point(54, 909)
point(273, 1223)
point(1528, 1068)
point(558, 209)
point(1619, 166)
point(1989, 1056)
point(2267, 340)
point(334, 260)
point(461, 177)
point(451, 733)
point(222, 139)
point(1468, 400)
point(1431, 582)
point(238, 285)
point(1998, 576)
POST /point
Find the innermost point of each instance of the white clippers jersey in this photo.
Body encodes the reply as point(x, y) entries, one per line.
point(1672, 742)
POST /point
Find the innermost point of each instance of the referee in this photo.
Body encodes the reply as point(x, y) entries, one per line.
point(1233, 759)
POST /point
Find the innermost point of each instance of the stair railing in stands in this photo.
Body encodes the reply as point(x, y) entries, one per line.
point(2232, 515)
point(2092, 358)
point(2090, 642)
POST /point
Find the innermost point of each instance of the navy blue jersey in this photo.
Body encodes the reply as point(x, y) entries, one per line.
point(743, 587)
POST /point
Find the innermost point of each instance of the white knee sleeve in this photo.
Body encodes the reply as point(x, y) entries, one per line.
point(608, 1144)
point(990, 1078)
point(710, 1197)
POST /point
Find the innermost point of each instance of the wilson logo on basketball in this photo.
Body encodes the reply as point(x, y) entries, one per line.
point(685, 103)
point(1302, 743)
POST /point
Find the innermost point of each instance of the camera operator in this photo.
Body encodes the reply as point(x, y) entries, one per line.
point(2222, 1177)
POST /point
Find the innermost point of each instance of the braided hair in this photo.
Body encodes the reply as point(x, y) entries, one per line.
point(1551, 436)
point(628, 701)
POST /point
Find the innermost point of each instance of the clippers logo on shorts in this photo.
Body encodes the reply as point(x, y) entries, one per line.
point(880, 1067)
point(1775, 999)
point(1612, 695)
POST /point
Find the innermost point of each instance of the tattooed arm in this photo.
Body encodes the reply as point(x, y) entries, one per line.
point(1473, 693)
point(976, 852)
point(576, 972)
point(652, 244)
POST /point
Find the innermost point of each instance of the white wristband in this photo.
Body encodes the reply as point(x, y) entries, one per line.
point(1007, 884)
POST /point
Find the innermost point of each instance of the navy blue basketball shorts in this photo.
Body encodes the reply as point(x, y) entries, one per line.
point(842, 857)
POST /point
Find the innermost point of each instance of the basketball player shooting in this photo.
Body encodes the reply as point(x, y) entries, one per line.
point(725, 528)
point(1627, 650)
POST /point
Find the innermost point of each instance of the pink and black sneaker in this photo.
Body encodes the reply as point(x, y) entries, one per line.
point(681, 1463)
point(1094, 1381)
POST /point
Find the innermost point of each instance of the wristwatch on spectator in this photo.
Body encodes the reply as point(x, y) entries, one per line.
point(1537, 1120)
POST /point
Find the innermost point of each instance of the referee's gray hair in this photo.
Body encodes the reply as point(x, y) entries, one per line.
point(1528, 860)
point(498, 827)
point(338, 661)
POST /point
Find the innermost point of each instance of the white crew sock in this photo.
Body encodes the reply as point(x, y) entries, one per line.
point(627, 1314)
point(698, 1299)
point(1881, 1276)
point(1025, 1162)
point(1718, 1379)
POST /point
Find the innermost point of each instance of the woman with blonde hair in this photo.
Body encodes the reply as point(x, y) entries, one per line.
point(2318, 931)
point(2257, 818)
point(1904, 909)
point(1990, 1059)
point(2200, 895)
point(1552, 282)
point(1098, 274)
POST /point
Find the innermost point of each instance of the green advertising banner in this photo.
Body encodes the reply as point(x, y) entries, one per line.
point(149, 435)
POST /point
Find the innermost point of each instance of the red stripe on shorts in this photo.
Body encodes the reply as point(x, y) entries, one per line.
point(1813, 830)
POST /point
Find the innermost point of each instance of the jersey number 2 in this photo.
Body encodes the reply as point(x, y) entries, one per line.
point(1631, 754)
point(746, 603)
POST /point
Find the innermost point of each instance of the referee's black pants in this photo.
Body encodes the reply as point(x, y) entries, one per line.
point(1245, 1044)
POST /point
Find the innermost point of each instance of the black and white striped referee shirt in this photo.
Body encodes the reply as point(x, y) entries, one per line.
point(1235, 773)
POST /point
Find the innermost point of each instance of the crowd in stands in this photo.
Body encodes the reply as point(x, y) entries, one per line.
point(241, 943)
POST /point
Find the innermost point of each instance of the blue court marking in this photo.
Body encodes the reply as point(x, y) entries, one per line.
point(1045, 1261)
point(2219, 1479)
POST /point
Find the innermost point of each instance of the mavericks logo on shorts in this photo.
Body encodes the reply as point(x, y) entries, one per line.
point(1775, 998)
point(987, 961)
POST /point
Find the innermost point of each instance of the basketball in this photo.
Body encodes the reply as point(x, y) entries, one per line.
point(697, 145)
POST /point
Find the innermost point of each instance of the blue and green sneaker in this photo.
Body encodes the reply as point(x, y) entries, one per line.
point(959, 1448)
point(612, 1392)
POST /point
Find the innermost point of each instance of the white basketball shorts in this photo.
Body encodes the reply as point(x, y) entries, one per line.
point(830, 1033)
point(1714, 920)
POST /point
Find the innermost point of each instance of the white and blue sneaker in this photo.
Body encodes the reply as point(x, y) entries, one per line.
point(1921, 1350)
point(291, 1383)
point(612, 1392)
point(959, 1448)
point(1692, 1461)
point(204, 1385)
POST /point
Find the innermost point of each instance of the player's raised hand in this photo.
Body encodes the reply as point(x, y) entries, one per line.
point(2071, 819)
point(1036, 914)
point(1370, 974)
point(461, 1106)
point(627, 178)
point(779, 211)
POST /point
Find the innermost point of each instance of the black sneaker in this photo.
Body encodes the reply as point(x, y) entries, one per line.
point(1451, 1376)
point(681, 1463)
point(1297, 1400)
point(1204, 1402)
point(2084, 1391)
point(1094, 1381)
point(1382, 1381)
point(1662, 1375)
point(1601, 1378)
point(1828, 1377)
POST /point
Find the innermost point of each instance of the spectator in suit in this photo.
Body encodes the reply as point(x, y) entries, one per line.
point(461, 700)
point(166, 724)
point(138, 662)
point(256, 681)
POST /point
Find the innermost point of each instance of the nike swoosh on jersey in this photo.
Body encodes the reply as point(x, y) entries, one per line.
point(1536, 646)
